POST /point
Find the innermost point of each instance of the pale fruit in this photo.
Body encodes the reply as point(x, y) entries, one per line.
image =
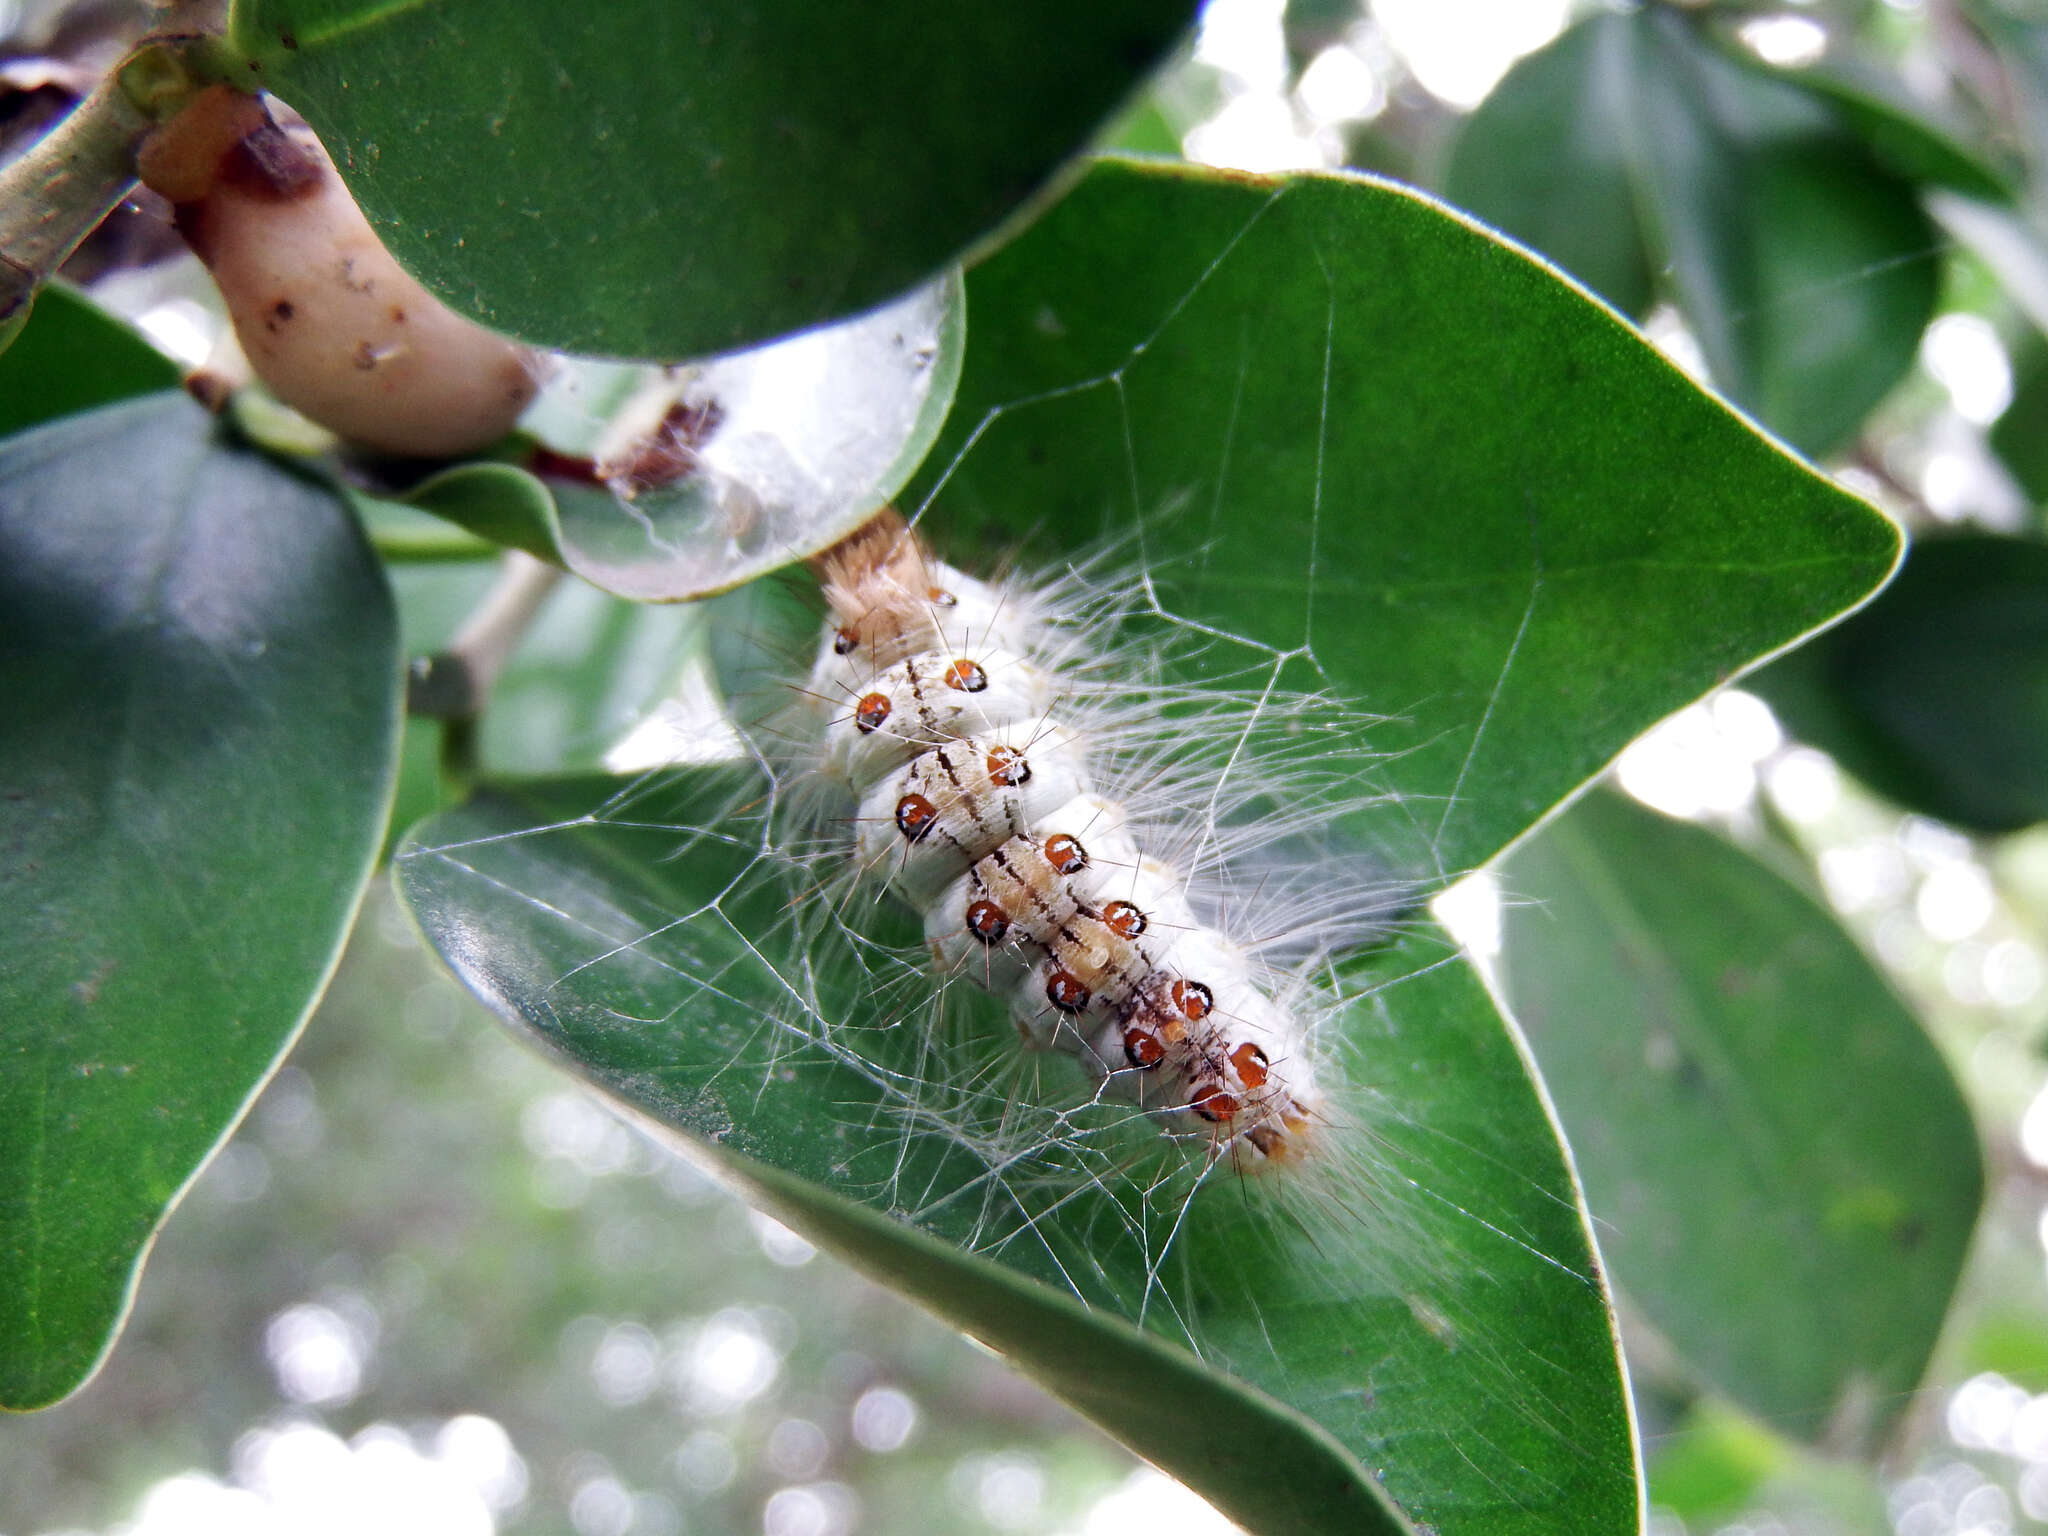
point(329, 321)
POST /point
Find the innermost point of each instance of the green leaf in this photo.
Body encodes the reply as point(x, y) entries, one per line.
point(1906, 134)
point(72, 355)
point(790, 447)
point(1351, 428)
point(1546, 158)
point(664, 183)
point(1936, 695)
point(1361, 447)
point(198, 655)
point(590, 669)
point(1717, 1464)
point(1806, 270)
point(2020, 435)
point(1375, 1330)
point(1698, 1019)
point(405, 535)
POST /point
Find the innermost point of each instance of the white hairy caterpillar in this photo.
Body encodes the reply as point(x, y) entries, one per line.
point(959, 731)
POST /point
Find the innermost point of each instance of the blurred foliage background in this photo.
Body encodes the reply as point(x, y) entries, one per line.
point(429, 1286)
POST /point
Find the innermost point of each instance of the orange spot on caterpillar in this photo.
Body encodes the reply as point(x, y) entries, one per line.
point(1124, 919)
point(967, 676)
point(941, 598)
point(1251, 1065)
point(1192, 998)
point(987, 921)
point(869, 715)
point(1213, 1104)
point(843, 641)
point(1065, 853)
point(1006, 766)
point(915, 816)
point(1065, 992)
point(1142, 1048)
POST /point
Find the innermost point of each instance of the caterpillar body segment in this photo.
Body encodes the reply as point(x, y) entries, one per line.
point(977, 808)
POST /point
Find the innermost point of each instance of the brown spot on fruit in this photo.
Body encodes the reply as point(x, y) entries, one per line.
point(181, 160)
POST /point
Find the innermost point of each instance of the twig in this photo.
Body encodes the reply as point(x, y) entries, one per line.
point(56, 192)
point(454, 683)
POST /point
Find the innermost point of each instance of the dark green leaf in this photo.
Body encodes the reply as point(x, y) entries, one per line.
point(662, 182)
point(1806, 269)
point(1717, 1465)
point(2020, 436)
point(1546, 158)
point(1937, 693)
point(1701, 1024)
point(197, 651)
point(1353, 429)
point(1906, 134)
point(1431, 1296)
point(1362, 448)
point(72, 355)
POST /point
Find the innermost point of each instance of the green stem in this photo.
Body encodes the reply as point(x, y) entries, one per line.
point(56, 192)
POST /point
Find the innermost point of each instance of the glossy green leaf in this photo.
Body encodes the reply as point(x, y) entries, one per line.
point(1698, 1019)
point(197, 651)
point(1806, 270)
point(1381, 1328)
point(1937, 694)
point(72, 355)
point(405, 535)
point(664, 183)
point(1546, 157)
point(1349, 443)
point(783, 450)
point(501, 504)
point(1350, 428)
